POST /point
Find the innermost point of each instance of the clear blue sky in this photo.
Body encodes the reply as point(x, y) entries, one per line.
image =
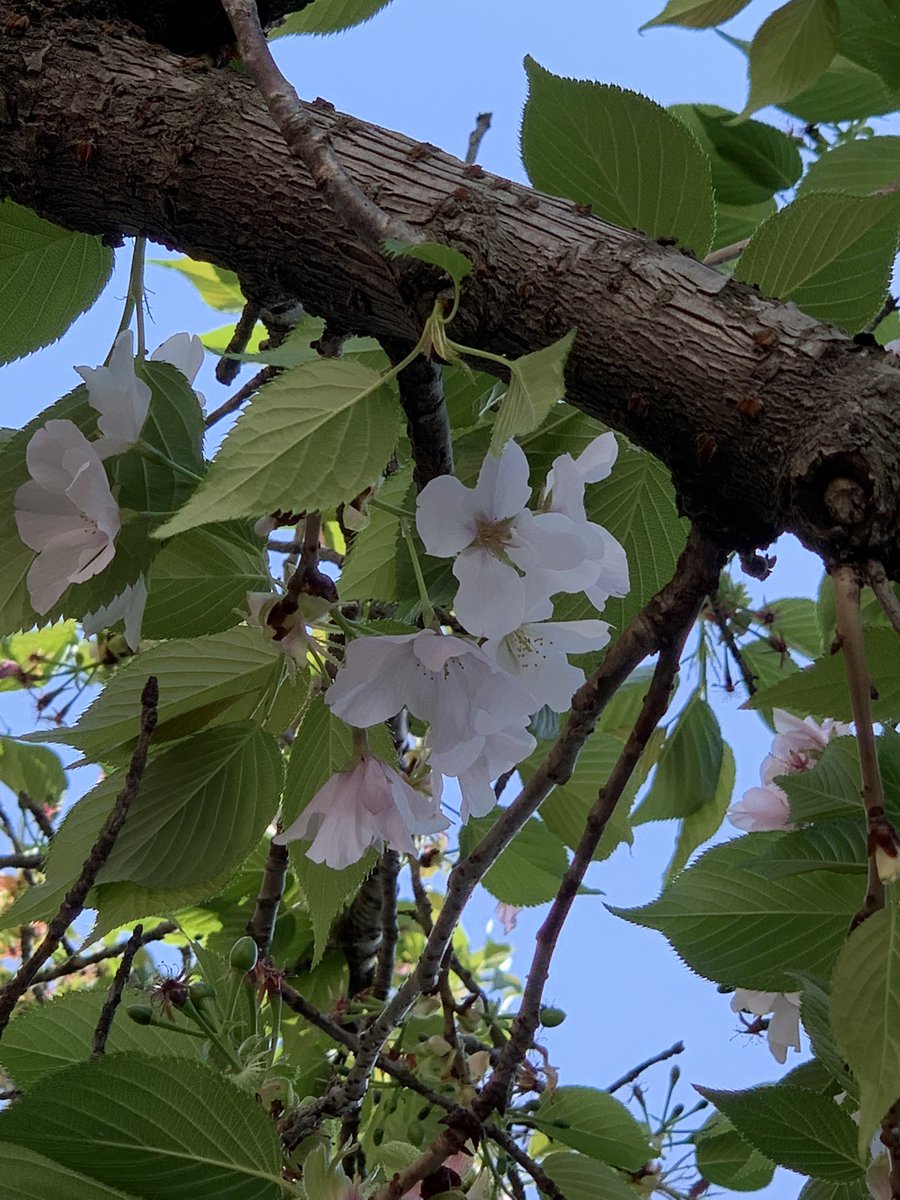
point(427, 69)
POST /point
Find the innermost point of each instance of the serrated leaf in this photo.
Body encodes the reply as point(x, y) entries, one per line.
point(593, 1123)
point(815, 1015)
point(616, 150)
point(583, 1178)
point(372, 567)
point(724, 1158)
point(38, 653)
point(838, 845)
point(202, 681)
point(865, 1013)
point(48, 1037)
point(750, 161)
point(219, 339)
point(48, 276)
point(735, 222)
point(697, 14)
point(27, 1175)
point(199, 582)
point(734, 925)
point(830, 788)
point(845, 92)
point(821, 690)
point(830, 254)
point(822, 1189)
point(798, 1129)
point(687, 775)
point(565, 430)
point(700, 826)
point(453, 262)
point(217, 287)
point(529, 870)
point(858, 167)
point(173, 1126)
point(796, 621)
point(329, 16)
point(313, 437)
point(870, 35)
point(32, 769)
point(791, 49)
point(536, 385)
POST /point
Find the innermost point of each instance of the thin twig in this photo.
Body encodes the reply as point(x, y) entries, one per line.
point(726, 253)
point(25, 862)
point(889, 306)
point(859, 684)
point(721, 620)
point(421, 388)
point(111, 1003)
point(387, 949)
point(302, 136)
point(261, 925)
point(44, 823)
point(631, 1075)
point(227, 368)
point(884, 592)
point(243, 393)
point(661, 619)
point(476, 137)
point(80, 962)
point(74, 899)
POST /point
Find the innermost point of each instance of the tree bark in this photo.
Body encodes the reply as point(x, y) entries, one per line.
point(767, 419)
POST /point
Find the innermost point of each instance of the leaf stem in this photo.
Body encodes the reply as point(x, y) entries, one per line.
point(427, 607)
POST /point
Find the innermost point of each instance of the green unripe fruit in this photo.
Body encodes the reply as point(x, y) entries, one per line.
point(201, 993)
point(142, 1014)
point(551, 1017)
point(244, 955)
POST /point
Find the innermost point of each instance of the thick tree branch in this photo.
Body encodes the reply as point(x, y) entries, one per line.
point(421, 387)
point(27, 862)
point(755, 407)
point(75, 897)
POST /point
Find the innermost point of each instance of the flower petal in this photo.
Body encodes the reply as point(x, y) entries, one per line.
point(446, 516)
point(502, 490)
point(491, 597)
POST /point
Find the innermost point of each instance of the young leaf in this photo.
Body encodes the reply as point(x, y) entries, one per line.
point(217, 287)
point(687, 775)
point(865, 1013)
point(453, 262)
point(798, 1129)
point(724, 1158)
point(531, 867)
point(48, 276)
point(593, 1123)
point(697, 14)
point(27, 1175)
point(791, 50)
point(847, 91)
point(329, 16)
point(315, 436)
point(635, 164)
point(128, 1119)
point(700, 826)
point(583, 1178)
point(32, 769)
point(830, 788)
point(858, 167)
point(830, 254)
point(536, 385)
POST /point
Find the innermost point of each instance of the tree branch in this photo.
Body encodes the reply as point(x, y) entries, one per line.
point(80, 962)
point(387, 948)
point(630, 1076)
point(243, 393)
point(74, 899)
point(884, 591)
point(421, 387)
point(261, 925)
point(721, 620)
point(476, 137)
point(25, 862)
point(108, 1012)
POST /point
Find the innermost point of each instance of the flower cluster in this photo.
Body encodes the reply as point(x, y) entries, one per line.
point(476, 694)
point(796, 747)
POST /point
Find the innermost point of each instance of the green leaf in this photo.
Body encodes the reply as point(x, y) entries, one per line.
point(315, 436)
point(858, 167)
point(565, 810)
point(865, 1013)
point(529, 870)
point(38, 652)
point(199, 582)
point(583, 1178)
point(687, 775)
point(219, 339)
point(796, 622)
point(536, 385)
point(32, 769)
point(821, 690)
point(329, 16)
point(724, 1158)
point(870, 35)
point(838, 845)
point(628, 158)
point(172, 1126)
point(830, 254)
point(48, 1037)
point(735, 222)
point(821, 1189)
point(453, 262)
point(217, 287)
point(750, 161)
point(700, 826)
point(791, 49)
point(27, 1175)
point(697, 14)
point(830, 788)
point(845, 92)
point(815, 1015)
point(202, 681)
point(593, 1123)
point(798, 1129)
point(373, 565)
point(734, 924)
point(48, 276)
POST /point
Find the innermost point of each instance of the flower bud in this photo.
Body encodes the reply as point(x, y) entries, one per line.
point(244, 955)
point(141, 1014)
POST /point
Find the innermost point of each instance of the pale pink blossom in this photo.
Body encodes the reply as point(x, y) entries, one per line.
point(762, 808)
point(798, 744)
point(503, 748)
point(9, 669)
point(66, 512)
point(121, 399)
point(496, 539)
point(784, 1023)
point(370, 804)
point(127, 607)
point(507, 915)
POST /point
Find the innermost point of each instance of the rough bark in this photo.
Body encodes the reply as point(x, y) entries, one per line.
point(755, 408)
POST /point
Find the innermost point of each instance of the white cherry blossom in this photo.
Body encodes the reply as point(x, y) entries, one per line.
point(121, 399)
point(66, 512)
point(370, 804)
point(496, 539)
point(185, 352)
point(762, 808)
point(128, 607)
point(784, 1024)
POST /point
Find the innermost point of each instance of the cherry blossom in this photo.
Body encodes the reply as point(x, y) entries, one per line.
point(9, 669)
point(184, 352)
point(784, 1024)
point(762, 808)
point(507, 915)
point(66, 512)
point(496, 539)
point(370, 804)
point(121, 399)
point(127, 607)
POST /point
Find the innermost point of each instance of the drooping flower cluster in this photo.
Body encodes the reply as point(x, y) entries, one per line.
point(477, 697)
point(796, 747)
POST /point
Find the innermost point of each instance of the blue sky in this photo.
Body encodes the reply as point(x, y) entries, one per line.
point(428, 68)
